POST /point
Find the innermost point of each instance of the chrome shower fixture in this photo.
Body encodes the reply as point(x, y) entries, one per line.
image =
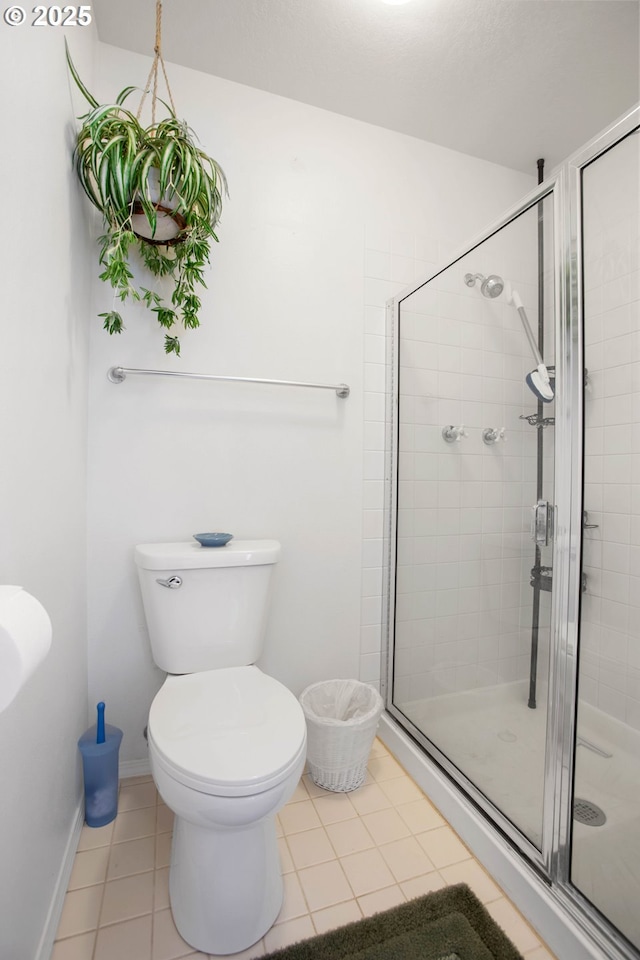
point(491, 286)
point(538, 381)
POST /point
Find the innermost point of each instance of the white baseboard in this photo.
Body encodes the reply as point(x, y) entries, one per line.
point(134, 768)
point(127, 768)
point(52, 922)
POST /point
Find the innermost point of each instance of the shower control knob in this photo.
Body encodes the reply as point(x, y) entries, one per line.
point(491, 435)
point(454, 434)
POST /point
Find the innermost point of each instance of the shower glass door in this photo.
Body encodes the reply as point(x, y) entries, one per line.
point(605, 862)
point(473, 590)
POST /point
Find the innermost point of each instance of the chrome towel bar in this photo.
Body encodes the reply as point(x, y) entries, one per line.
point(118, 374)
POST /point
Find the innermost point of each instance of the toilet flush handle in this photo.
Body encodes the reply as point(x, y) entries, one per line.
point(173, 582)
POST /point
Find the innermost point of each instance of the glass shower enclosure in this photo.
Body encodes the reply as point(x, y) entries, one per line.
point(513, 529)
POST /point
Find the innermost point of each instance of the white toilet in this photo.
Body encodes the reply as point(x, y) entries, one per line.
point(227, 743)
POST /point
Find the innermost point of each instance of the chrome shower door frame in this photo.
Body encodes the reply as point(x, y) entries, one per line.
point(552, 187)
point(554, 859)
point(570, 361)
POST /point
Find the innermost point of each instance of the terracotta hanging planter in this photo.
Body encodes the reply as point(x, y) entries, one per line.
point(170, 223)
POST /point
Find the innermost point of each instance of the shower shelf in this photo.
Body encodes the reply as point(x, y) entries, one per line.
point(535, 421)
point(542, 577)
point(119, 374)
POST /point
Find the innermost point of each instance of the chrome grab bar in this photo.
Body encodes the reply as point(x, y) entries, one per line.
point(119, 374)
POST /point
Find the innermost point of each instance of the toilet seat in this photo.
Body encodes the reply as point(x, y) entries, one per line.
point(228, 732)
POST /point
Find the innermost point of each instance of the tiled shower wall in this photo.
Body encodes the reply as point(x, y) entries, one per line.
point(610, 626)
point(393, 261)
point(463, 604)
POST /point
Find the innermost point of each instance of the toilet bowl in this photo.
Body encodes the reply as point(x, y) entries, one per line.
point(227, 743)
point(227, 749)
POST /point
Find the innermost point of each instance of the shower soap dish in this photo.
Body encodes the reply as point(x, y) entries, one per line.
point(213, 539)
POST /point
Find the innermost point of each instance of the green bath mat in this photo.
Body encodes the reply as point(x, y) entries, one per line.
point(450, 924)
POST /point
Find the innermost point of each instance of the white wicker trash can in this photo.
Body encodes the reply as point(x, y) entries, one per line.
point(342, 718)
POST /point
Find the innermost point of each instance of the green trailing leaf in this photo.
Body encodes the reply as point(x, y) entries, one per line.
point(81, 87)
point(113, 158)
point(112, 322)
point(122, 96)
point(166, 317)
point(150, 298)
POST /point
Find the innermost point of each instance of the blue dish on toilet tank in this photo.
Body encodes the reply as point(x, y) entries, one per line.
point(213, 539)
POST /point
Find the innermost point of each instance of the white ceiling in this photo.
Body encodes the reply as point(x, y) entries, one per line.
point(506, 80)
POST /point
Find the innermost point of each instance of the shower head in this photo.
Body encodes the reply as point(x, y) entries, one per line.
point(491, 286)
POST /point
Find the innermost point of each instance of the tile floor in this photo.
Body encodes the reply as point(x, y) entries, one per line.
point(344, 856)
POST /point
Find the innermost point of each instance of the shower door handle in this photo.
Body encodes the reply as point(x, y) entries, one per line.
point(542, 523)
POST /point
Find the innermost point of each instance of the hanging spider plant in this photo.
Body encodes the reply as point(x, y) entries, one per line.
point(159, 194)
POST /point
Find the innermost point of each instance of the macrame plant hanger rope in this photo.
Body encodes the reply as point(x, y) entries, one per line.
point(153, 73)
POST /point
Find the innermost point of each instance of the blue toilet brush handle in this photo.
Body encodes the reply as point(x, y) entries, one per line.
point(100, 737)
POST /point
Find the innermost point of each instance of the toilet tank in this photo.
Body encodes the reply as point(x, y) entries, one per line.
point(206, 607)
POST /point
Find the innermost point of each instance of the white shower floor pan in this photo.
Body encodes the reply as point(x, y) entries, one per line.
point(498, 742)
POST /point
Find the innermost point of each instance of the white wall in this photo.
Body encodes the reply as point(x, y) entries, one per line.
point(43, 360)
point(285, 299)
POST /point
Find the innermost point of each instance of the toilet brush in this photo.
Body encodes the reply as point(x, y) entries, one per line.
point(99, 746)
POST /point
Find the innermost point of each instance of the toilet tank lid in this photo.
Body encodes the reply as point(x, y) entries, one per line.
point(190, 555)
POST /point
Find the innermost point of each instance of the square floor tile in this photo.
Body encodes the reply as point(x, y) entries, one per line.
point(91, 837)
point(132, 824)
point(349, 836)
point(335, 807)
point(293, 904)
point(164, 819)
point(127, 897)
point(161, 889)
point(324, 885)
point(75, 948)
point(167, 942)
point(136, 795)
point(300, 793)
point(401, 790)
point(513, 924)
point(381, 900)
point(443, 847)
point(257, 950)
point(385, 768)
point(286, 863)
point(89, 867)
point(289, 932)
point(313, 789)
point(80, 911)
point(131, 856)
point(406, 858)
point(378, 749)
point(130, 940)
point(163, 850)
point(367, 871)
point(420, 815)
point(296, 817)
point(369, 799)
point(310, 847)
point(337, 916)
point(385, 826)
point(418, 886)
point(471, 873)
